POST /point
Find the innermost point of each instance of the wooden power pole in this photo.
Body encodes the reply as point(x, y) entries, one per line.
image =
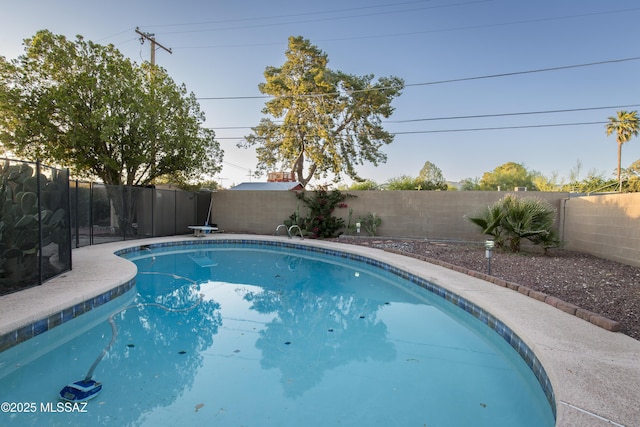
point(154, 43)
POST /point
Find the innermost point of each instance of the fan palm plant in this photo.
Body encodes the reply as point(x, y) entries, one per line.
point(625, 125)
point(512, 219)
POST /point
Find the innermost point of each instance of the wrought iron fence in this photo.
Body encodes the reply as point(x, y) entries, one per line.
point(35, 242)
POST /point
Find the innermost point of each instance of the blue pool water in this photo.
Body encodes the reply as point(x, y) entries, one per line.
point(270, 336)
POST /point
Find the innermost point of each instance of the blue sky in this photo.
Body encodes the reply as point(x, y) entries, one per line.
point(220, 49)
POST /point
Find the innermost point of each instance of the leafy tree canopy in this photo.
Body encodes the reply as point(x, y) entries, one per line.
point(406, 182)
point(632, 177)
point(402, 182)
point(592, 182)
point(367, 184)
point(429, 178)
point(330, 121)
point(87, 107)
point(432, 176)
point(544, 183)
point(470, 184)
point(507, 177)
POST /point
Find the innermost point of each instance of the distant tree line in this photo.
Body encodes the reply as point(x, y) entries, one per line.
point(510, 176)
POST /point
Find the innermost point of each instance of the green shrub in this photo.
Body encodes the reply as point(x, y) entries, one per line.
point(319, 222)
point(513, 218)
point(371, 223)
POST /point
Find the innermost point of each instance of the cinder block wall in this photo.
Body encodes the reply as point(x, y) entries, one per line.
point(432, 214)
point(253, 212)
point(607, 226)
point(417, 214)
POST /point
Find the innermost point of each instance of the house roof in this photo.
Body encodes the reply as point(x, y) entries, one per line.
point(268, 186)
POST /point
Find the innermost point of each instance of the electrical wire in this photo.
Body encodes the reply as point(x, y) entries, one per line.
point(482, 116)
point(293, 15)
point(323, 19)
point(475, 116)
point(436, 82)
point(415, 33)
point(498, 128)
point(467, 129)
point(471, 129)
point(517, 73)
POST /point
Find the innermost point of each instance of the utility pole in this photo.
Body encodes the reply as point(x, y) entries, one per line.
point(152, 40)
point(154, 43)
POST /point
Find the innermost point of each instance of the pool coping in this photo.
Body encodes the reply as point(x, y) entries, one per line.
point(594, 372)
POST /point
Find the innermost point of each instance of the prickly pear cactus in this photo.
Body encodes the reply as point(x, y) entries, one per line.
point(27, 225)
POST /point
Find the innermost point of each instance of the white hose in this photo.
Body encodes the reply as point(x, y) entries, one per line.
point(114, 329)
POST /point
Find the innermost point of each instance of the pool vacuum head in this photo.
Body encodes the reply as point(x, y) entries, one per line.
point(81, 391)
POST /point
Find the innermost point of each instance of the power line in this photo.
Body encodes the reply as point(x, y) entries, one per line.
point(293, 15)
point(234, 165)
point(209, 98)
point(482, 116)
point(114, 35)
point(498, 128)
point(516, 73)
point(473, 129)
point(325, 19)
point(437, 82)
point(475, 116)
point(442, 30)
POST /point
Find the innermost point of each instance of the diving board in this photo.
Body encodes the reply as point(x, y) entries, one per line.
point(201, 230)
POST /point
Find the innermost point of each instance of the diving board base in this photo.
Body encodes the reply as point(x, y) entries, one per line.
point(201, 230)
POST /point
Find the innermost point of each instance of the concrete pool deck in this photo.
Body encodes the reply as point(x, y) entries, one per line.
point(595, 373)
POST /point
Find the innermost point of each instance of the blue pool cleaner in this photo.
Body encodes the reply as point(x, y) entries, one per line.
point(81, 391)
point(87, 388)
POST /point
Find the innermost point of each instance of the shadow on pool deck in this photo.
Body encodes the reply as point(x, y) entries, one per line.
point(595, 373)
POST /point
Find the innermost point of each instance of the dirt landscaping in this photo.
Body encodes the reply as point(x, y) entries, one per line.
point(596, 285)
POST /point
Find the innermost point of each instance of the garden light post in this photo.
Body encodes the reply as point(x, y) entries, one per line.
point(488, 245)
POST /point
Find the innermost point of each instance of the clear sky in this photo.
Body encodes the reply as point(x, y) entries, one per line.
point(441, 48)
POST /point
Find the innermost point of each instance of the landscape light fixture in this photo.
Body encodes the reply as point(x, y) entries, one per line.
point(488, 246)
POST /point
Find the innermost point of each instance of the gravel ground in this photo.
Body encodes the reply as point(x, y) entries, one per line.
point(601, 286)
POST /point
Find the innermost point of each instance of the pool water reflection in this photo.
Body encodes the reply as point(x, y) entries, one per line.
point(285, 337)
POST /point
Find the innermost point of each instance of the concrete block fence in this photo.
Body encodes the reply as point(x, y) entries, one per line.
point(607, 226)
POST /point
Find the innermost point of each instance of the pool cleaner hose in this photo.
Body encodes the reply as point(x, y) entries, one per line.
point(87, 388)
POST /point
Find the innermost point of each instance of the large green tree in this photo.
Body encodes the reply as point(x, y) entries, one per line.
point(506, 177)
point(328, 121)
point(470, 184)
point(85, 106)
point(432, 176)
point(625, 124)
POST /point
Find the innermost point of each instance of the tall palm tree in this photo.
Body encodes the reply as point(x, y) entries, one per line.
point(625, 125)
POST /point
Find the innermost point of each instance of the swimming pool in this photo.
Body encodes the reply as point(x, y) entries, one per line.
point(270, 345)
